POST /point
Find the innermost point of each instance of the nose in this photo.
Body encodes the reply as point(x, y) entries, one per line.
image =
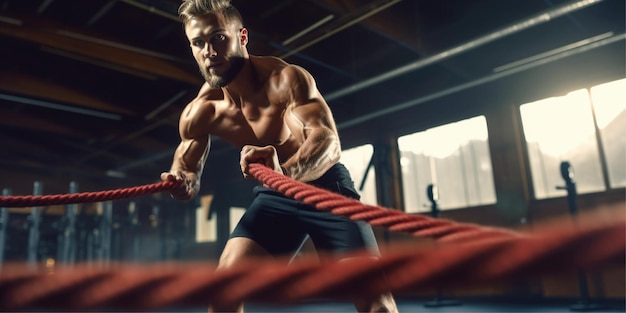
point(209, 52)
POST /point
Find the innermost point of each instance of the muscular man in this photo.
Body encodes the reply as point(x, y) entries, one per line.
point(274, 113)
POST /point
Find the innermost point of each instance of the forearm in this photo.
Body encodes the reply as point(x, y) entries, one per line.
point(188, 163)
point(319, 152)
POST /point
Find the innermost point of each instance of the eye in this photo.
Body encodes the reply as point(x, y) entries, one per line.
point(220, 37)
point(197, 43)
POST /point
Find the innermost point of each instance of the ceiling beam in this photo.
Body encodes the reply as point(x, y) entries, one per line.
point(16, 147)
point(76, 41)
point(136, 135)
point(532, 21)
point(40, 89)
point(389, 23)
point(29, 122)
point(343, 22)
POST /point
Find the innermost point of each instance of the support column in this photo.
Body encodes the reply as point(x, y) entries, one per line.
point(509, 165)
point(68, 238)
point(34, 222)
point(4, 224)
point(106, 227)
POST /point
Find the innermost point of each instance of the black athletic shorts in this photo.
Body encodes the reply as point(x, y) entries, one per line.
point(281, 224)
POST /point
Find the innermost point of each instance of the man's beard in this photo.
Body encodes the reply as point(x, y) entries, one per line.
point(217, 81)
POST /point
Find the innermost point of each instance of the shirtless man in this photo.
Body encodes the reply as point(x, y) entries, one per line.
point(274, 113)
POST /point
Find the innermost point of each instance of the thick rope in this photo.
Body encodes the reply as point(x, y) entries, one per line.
point(506, 255)
point(84, 197)
point(561, 248)
point(418, 225)
point(395, 220)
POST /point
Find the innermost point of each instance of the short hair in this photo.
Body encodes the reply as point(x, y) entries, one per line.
point(197, 8)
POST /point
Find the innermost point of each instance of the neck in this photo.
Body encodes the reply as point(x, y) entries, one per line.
point(245, 81)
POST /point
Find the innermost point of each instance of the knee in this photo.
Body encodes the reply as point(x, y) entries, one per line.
point(239, 249)
point(228, 259)
point(384, 303)
point(388, 303)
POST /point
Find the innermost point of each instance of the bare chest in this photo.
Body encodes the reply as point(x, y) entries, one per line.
point(253, 121)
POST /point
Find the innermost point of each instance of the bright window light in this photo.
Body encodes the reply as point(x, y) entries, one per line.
point(561, 129)
point(559, 124)
point(235, 215)
point(455, 158)
point(356, 161)
point(609, 103)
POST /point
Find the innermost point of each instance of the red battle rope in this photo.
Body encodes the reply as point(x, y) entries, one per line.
point(562, 247)
point(83, 197)
point(567, 246)
point(418, 225)
point(395, 220)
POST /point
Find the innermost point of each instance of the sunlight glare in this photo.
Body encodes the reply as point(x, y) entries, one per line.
point(443, 141)
point(609, 101)
point(558, 124)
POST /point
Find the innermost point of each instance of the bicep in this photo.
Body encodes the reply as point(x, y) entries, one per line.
point(305, 118)
point(195, 139)
point(306, 110)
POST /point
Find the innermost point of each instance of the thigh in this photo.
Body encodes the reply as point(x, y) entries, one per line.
point(270, 222)
point(339, 234)
point(335, 233)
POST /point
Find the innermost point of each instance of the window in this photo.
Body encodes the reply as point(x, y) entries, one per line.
point(609, 105)
point(563, 128)
point(236, 213)
point(356, 161)
point(453, 157)
point(206, 229)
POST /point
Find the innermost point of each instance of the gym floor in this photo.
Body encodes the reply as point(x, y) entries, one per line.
point(464, 306)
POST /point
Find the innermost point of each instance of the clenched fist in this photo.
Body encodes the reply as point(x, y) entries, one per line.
point(264, 155)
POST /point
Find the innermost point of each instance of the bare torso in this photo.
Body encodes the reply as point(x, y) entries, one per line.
point(254, 121)
point(259, 117)
point(268, 108)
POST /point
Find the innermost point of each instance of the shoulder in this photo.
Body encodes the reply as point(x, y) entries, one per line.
point(196, 116)
point(267, 63)
point(295, 74)
point(279, 71)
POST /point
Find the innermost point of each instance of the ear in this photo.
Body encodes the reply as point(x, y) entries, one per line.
point(243, 36)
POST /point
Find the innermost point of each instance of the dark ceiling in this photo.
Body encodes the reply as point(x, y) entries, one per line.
point(91, 90)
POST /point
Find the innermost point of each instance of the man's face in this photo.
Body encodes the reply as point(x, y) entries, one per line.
point(218, 47)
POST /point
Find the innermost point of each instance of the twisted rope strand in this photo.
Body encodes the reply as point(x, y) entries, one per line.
point(501, 255)
point(83, 197)
point(419, 225)
point(567, 247)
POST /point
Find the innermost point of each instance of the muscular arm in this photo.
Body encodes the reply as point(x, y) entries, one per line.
point(190, 155)
point(309, 118)
point(188, 165)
